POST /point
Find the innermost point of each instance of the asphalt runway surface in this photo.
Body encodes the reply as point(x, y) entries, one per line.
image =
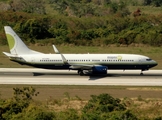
point(33, 76)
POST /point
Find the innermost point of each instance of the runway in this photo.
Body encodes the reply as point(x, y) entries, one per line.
point(33, 76)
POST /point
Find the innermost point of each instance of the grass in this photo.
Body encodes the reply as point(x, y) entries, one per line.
point(150, 10)
point(146, 109)
point(142, 108)
point(84, 92)
point(152, 52)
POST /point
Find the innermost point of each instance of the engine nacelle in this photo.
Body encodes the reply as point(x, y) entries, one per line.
point(99, 70)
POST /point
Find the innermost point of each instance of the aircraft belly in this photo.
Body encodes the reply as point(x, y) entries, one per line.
point(130, 66)
point(59, 67)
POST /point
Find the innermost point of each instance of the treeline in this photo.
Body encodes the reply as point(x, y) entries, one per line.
point(83, 22)
point(95, 31)
point(81, 8)
point(77, 7)
point(22, 106)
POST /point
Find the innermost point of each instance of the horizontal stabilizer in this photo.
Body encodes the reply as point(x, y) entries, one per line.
point(14, 57)
point(8, 54)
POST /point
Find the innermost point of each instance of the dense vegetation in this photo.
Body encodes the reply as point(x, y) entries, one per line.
point(83, 22)
point(99, 107)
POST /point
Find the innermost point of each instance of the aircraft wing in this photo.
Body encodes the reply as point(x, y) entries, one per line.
point(81, 66)
point(75, 66)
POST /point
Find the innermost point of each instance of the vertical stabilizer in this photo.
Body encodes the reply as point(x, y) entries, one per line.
point(16, 45)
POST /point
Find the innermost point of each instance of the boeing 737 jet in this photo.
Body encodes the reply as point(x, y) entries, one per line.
point(94, 63)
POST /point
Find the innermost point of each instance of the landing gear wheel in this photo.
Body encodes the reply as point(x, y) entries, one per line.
point(141, 72)
point(80, 72)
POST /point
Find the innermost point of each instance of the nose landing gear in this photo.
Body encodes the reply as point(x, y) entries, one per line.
point(142, 71)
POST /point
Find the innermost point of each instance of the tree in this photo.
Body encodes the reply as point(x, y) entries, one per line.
point(34, 28)
point(21, 99)
point(104, 107)
point(147, 2)
point(29, 6)
point(156, 3)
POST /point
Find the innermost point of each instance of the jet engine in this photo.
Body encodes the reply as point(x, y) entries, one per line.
point(99, 70)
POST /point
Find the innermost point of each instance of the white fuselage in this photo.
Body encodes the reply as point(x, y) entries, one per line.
point(97, 63)
point(112, 61)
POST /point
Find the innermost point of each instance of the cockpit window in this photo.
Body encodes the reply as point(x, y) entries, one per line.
point(148, 59)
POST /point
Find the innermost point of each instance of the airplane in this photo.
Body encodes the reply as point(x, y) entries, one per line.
point(93, 63)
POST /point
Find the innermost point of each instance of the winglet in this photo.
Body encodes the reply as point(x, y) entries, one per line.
point(55, 49)
point(62, 56)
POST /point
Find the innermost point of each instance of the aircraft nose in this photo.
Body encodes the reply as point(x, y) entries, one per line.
point(155, 63)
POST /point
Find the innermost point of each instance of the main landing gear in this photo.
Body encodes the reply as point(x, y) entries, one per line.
point(80, 72)
point(141, 73)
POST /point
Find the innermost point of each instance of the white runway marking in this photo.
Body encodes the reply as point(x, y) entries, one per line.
point(65, 77)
